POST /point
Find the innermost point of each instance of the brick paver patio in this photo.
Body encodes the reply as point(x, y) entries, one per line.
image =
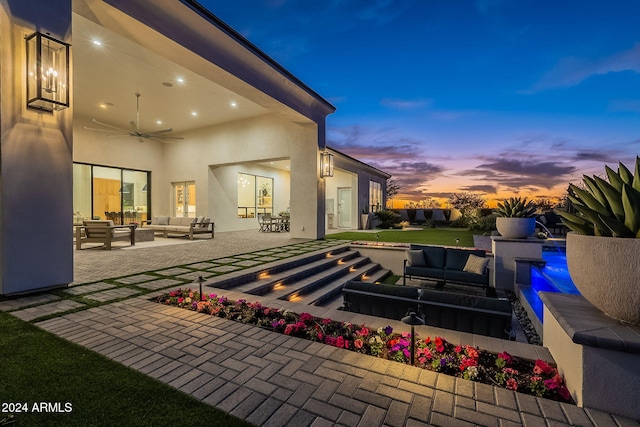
point(271, 379)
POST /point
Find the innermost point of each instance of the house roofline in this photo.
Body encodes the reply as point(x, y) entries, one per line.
point(208, 15)
point(381, 172)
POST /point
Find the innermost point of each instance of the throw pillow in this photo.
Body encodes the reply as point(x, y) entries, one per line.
point(416, 258)
point(162, 220)
point(476, 264)
point(205, 223)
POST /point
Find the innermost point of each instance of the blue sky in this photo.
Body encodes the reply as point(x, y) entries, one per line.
point(501, 97)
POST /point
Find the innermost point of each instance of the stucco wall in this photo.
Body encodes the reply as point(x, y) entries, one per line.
point(259, 139)
point(35, 160)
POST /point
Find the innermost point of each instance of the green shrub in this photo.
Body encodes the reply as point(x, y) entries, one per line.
point(484, 223)
point(388, 218)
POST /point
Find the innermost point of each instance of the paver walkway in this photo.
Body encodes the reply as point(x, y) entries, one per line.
point(272, 379)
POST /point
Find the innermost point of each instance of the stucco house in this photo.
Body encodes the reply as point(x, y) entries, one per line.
point(246, 135)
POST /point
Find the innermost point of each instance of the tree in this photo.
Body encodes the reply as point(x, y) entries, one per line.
point(393, 188)
point(468, 204)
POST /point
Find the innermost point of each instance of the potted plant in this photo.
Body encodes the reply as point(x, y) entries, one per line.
point(603, 248)
point(516, 218)
point(364, 219)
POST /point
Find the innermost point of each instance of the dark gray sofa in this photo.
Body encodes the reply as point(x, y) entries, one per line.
point(445, 265)
point(465, 313)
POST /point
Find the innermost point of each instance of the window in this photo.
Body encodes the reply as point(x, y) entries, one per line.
point(375, 196)
point(255, 195)
point(101, 192)
point(184, 199)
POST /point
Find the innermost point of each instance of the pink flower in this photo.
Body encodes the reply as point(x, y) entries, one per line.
point(363, 332)
point(542, 367)
point(358, 343)
point(458, 349)
point(288, 330)
point(512, 384)
point(180, 300)
point(505, 356)
point(339, 342)
point(326, 321)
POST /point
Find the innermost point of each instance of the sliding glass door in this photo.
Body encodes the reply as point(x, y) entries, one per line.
point(101, 192)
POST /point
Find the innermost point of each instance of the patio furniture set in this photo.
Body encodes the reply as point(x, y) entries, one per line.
point(269, 223)
point(106, 232)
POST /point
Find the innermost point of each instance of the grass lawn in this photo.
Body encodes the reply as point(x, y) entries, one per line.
point(433, 236)
point(38, 366)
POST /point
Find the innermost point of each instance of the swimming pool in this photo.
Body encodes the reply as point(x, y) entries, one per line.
point(554, 277)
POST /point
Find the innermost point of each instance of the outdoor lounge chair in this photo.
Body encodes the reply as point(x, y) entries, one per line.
point(104, 232)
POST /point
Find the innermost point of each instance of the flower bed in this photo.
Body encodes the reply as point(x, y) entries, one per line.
point(537, 378)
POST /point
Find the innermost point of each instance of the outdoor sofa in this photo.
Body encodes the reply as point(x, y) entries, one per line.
point(166, 225)
point(457, 311)
point(464, 266)
point(105, 232)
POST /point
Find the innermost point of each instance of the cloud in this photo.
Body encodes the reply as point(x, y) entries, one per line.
point(405, 104)
point(517, 175)
point(385, 149)
point(482, 188)
point(572, 71)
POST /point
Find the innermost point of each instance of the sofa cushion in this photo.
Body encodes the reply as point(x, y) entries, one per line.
point(434, 255)
point(198, 220)
point(433, 273)
point(464, 277)
point(415, 258)
point(399, 291)
point(161, 220)
point(457, 258)
point(476, 264)
point(205, 222)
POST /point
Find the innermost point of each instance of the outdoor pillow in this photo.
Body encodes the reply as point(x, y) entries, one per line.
point(197, 220)
point(162, 220)
point(416, 258)
point(476, 264)
point(205, 222)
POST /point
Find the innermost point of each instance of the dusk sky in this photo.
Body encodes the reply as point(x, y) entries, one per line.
point(500, 97)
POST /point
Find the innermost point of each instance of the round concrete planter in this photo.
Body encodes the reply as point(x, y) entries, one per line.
point(516, 228)
point(606, 271)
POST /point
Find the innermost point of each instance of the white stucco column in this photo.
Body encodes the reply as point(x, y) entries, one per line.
point(36, 166)
point(505, 251)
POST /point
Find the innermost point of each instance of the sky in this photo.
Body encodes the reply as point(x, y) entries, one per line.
point(498, 97)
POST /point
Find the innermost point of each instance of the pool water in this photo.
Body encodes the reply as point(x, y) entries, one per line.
point(554, 277)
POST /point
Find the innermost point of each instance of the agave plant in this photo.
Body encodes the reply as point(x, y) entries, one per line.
point(604, 208)
point(516, 207)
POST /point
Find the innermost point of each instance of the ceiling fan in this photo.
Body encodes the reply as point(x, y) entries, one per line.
point(135, 129)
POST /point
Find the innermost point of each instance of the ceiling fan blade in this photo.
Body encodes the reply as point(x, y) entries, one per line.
point(163, 137)
point(107, 131)
point(133, 125)
point(109, 126)
point(159, 131)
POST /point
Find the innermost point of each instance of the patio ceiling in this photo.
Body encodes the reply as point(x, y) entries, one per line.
point(110, 68)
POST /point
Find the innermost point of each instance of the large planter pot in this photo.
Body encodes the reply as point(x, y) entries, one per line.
point(364, 221)
point(516, 228)
point(606, 271)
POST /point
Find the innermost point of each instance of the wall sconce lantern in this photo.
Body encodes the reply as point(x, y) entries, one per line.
point(326, 164)
point(47, 72)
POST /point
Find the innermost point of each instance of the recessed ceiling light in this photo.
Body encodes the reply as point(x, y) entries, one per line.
point(180, 79)
point(158, 122)
point(194, 113)
point(105, 105)
point(96, 42)
point(270, 163)
point(233, 104)
point(167, 84)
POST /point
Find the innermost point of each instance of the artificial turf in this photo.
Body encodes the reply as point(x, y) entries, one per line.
point(86, 388)
point(433, 236)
